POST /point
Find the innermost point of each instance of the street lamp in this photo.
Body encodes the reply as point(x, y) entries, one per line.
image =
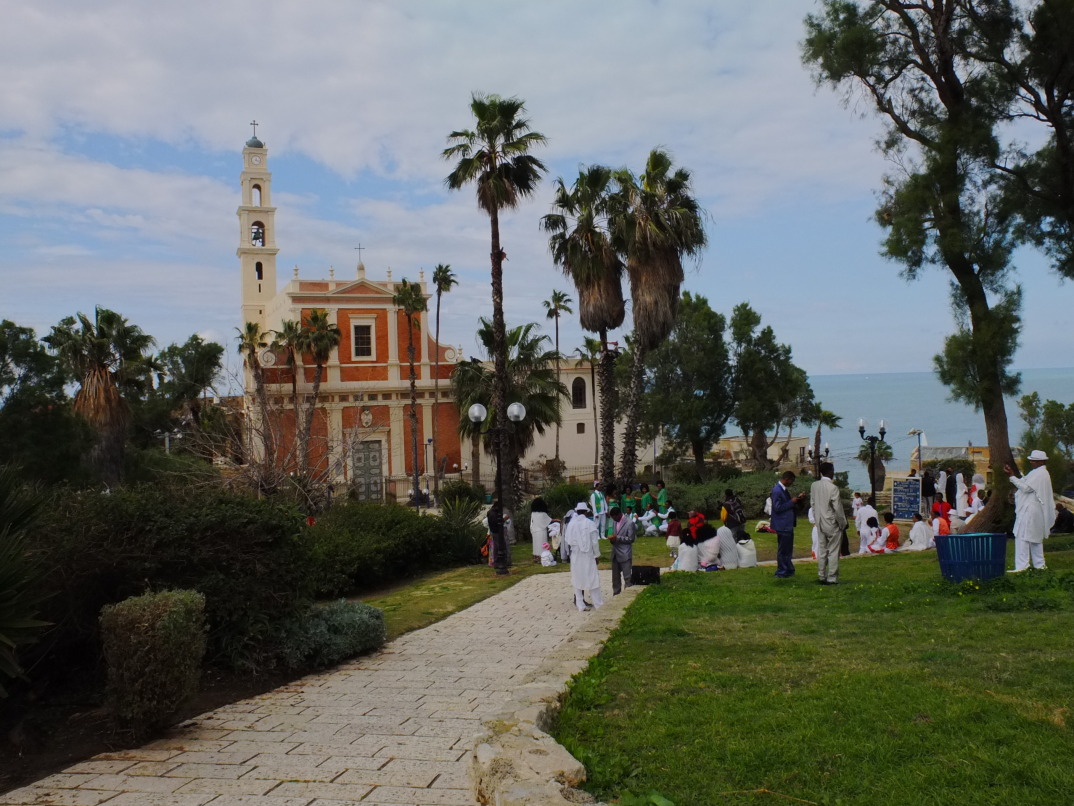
point(516, 413)
point(872, 440)
point(168, 436)
point(917, 432)
point(820, 457)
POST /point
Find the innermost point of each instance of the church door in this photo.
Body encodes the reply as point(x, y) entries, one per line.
point(368, 471)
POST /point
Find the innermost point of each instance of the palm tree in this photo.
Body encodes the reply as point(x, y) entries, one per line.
point(657, 221)
point(409, 298)
point(289, 339)
point(107, 356)
point(559, 303)
point(531, 381)
point(252, 340)
point(582, 246)
point(877, 471)
point(589, 353)
point(822, 418)
point(495, 157)
point(443, 279)
point(319, 338)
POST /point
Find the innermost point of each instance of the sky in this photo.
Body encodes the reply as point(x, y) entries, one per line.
point(122, 125)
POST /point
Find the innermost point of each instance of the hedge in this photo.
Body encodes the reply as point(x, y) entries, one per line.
point(153, 647)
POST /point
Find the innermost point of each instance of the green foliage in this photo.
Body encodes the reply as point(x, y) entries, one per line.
point(361, 546)
point(19, 575)
point(246, 556)
point(688, 386)
point(1050, 428)
point(153, 646)
point(461, 516)
point(770, 390)
point(457, 488)
point(564, 496)
point(326, 635)
point(737, 665)
point(752, 488)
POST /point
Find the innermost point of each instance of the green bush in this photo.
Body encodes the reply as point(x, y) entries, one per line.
point(752, 488)
point(325, 636)
point(248, 557)
point(359, 546)
point(153, 647)
point(19, 575)
point(457, 488)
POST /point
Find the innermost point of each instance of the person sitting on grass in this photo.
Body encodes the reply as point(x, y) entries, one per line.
point(920, 536)
point(872, 542)
point(890, 532)
point(940, 525)
point(650, 521)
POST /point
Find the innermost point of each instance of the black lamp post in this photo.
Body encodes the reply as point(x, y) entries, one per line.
point(872, 440)
point(820, 457)
point(516, 413)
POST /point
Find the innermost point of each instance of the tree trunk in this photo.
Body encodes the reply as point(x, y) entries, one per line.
point(628, 462)
point(413, 409)
point(268, 440)
point(499, 354)
point(759, 449)
point(698, 450)
point(307, 427)
point(559, 399)
point(607, 410)
point(436, 401)
point(596, 422)
point(816, 453)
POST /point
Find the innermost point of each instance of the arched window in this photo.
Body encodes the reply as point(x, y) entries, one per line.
point(259, 270)
point(255, 194)
point(257, 233)
point(578, 393)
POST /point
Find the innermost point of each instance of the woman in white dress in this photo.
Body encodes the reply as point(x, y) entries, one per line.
point(539, 520)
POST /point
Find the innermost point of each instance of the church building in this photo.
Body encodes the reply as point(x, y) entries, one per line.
point(361, 431)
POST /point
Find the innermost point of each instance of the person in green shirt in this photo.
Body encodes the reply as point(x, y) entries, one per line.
point(646, 498)
point(627, 500)
point(661, 498)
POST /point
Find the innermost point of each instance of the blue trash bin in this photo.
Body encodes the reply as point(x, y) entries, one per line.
point(972, 556)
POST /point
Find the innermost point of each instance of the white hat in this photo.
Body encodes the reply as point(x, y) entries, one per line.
point(581, 506)
point(1038, 456)
point(670, 510)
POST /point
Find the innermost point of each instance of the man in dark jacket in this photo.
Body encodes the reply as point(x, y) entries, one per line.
point(621, 535)
point(783, 522)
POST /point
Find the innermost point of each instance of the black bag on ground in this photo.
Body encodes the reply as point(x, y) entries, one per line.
point(644, 575)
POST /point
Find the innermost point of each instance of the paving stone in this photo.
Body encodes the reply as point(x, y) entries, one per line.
point(37, 794)
point(226, 786)
point(138, 783)
point(344, 792)
point(396, 727)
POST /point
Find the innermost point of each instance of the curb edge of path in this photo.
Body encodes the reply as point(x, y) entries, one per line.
point(515, 762)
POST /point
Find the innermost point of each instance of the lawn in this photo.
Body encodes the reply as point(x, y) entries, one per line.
point(417, 603)
point(892, 688)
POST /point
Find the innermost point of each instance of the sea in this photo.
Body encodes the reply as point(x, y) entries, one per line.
point(915, 400)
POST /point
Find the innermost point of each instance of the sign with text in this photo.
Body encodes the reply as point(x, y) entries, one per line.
point(905, 497)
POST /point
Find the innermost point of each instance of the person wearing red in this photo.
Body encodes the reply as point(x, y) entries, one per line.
point(890, 532)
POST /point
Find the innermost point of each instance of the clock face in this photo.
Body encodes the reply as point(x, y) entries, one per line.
point(255, 159)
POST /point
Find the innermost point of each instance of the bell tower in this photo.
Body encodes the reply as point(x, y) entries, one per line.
point(257, 232)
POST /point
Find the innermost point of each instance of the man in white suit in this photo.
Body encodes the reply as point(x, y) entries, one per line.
point(831, 520)
point(1034, 512)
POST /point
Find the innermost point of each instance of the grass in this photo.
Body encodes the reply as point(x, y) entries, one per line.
point(422, 601)
point(893, 688)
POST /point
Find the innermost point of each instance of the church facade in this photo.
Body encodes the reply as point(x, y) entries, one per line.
point(361, 434)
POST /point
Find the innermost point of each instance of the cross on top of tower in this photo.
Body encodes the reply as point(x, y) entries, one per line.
point(359, 247)
point(253, 142)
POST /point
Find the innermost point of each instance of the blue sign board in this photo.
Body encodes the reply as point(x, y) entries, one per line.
point(905, 497)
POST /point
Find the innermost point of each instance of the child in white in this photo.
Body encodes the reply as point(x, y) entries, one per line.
point(546, 556)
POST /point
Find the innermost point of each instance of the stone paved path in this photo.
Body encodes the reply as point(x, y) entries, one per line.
point(395, 727)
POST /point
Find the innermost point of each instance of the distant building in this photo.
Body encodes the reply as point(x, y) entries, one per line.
point(787, 454)
point(361, 431)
